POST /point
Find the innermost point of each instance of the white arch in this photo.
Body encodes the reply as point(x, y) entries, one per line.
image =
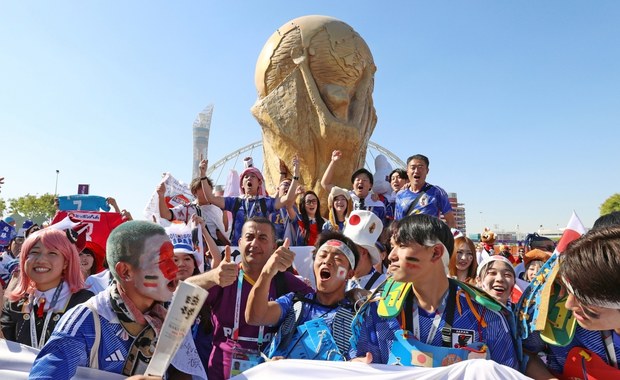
point(221, 163)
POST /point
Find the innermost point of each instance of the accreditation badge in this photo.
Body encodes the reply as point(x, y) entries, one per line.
point(243, 359)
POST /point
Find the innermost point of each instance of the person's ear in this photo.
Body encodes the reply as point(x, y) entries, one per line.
point(350, 274)
point(124, 271)
point(437, 252)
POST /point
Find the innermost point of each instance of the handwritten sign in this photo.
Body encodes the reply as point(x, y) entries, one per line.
point(186, 303)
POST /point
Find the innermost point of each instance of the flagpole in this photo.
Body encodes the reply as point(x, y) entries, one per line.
point(56, 186)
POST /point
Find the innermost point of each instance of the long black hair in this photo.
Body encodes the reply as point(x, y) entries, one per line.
point(304, 215)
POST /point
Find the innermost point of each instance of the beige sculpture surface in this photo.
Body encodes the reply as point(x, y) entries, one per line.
point(315, 78)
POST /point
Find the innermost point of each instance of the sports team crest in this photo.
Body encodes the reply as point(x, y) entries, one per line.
point(423, 200)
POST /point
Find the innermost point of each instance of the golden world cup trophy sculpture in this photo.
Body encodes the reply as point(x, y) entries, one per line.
point(315, 78)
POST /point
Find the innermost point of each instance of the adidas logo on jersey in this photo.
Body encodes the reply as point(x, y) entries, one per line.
point(117, 356)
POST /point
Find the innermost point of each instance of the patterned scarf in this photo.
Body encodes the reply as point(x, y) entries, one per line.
point(132, 319)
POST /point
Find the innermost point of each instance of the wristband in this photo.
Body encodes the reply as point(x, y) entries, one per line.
point(283, 173)
point(203, 178)
point(296, 178)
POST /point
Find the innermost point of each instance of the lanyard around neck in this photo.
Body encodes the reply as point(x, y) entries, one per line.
point(34, 340)
point(608, 337)
point(436, 319)
point(235, 332)
point(246, 206)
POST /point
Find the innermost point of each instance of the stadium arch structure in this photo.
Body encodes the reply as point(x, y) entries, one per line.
point(218, 172)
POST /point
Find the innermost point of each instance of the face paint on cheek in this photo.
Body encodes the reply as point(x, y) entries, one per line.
point(341, 273)
point(410, 263)
point(151, 281)
point(166, 261)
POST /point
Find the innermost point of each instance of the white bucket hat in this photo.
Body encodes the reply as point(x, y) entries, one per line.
point(180, 235)
point(364, 228)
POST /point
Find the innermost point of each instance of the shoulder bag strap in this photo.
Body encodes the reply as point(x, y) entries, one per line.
point(236, 208)
point(417, 199)
point(263, 206)
point(94, 351)
point(371, 281)
point(446, 335)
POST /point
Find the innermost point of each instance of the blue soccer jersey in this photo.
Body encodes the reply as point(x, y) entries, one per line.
point(433, 202)
point(311, 311)
point(376, 334)
point(245, 208)
point(556, 355)
point(73, 338)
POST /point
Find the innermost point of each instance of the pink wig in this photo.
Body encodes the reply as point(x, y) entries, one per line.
point(55, 240)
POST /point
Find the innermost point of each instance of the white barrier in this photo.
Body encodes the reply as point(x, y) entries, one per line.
point(295, 369)
point(16, 361)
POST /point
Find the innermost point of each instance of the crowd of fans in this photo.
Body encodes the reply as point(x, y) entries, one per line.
point(391, 276)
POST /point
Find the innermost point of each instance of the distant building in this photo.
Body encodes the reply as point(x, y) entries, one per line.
point(552, 233)
point(459, 212)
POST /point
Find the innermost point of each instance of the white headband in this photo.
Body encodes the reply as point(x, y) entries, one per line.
point(342, 247)
point(588, 300)
point(489, 259)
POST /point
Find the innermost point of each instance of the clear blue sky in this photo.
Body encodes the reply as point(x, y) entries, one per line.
point(517, 104)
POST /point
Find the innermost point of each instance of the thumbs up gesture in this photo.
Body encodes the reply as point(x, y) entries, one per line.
point(280, 260)
point(226, 273)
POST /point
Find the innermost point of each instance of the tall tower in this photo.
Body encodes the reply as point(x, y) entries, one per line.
point(201, 128)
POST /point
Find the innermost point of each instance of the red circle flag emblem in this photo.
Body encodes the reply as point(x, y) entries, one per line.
point(354, 220)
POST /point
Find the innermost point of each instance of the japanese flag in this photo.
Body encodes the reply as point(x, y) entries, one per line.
point(342, 273)
point(573, 231)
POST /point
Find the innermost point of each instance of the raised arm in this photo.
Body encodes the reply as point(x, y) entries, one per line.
point(450, 220)
point(206, 188)
point(164, 211)
point(259, 310)
point(226, 227)
point(326, 181)
point(126, 215)
point(211, 245)
point(284, 172)
point(290, 210)
point(112, 203)
point(288, 199)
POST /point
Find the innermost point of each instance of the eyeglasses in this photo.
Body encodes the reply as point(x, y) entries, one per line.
point(310, 201)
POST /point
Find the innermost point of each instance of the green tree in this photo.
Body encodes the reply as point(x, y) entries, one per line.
point(2, 206)
point(611, 204)
point(33, 207)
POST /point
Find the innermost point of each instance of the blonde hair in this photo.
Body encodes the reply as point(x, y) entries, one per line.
point(332, 213)
point(473, 267)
